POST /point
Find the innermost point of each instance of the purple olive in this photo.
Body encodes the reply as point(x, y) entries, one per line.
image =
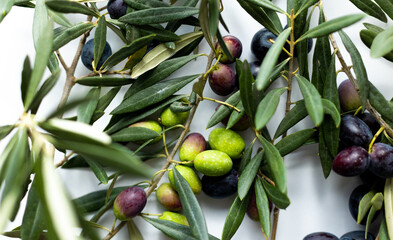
point(234, 46)
point(221, 186)
point(320, 236)
point(194, 144)
point(371, 121)
point(129, 203)
point(168, 197)
point(261, 43)
point(354, 132)
point(351, 161)
point(354, 199)
point(116, 8)
point(349, 97)
point(357, 235)
point(381, 160)
point(222, 80)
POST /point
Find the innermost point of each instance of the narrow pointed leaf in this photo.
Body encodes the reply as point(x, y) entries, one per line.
point(246, 87)
point(26, 76)
point(372, 9)
point(224, 111)
point(105, 100)
point(63, 6)
point(312, 100)
point(294, 141)
point(104, 81)
point(235, 115)
point(382, 43)
point(98, 170)
point(267, 4)
point(60, 18)
point(383, 230)
point(134, 134)
point(5, 7)
point(158, 15)
point(273, 54)
point(358, 67)
point(331, 26)
point(388, 202)
point(162, 35)
point(214, 15)
point(368, 36)
point(191, 207)
point(387, 7)
point(153, 94)
point(277, 197)
point(162, 71)
point(325, 156)
point(133, 231)
point(71, 33)
point(5, 130)
point(306, 5)
point(330, 91)
point(45, 88)
point(126, 51)
point(267, 107)
point(246, 158)
point(86, 110)
point(99, 40)
point(160, 53)
point(262, 206)
point(331, 134)
point(364, 206)
point(330, 108)
point(295, 115)
point(234, 217)
point(223, 46)
point(247, 176)
point(378, 101)
point(204, 22)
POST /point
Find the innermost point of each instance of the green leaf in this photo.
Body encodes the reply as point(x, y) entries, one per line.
point(5, 130)
point(248, 174)
point(66, 107)
point(358, 67)
point(267, 4)
point(235, 217)
point(43, 52)
point(153, 94)
point(160, 53)
point(267, 107)
point(246, 158)
point(158, 15)
point(123, 120)
point(372, 9)
point(274, 52)
point(113, 155)
point(104, 81)
point(134, 134)
point(46, 87)
point(98, 170)
point(330, 91)
point(59, 18)
point(26, 76)
point(143, 4)
point(306, 4)
point(295, 115)
point(71, 33)
point(162, 35)
point(86, 110)
point(99, 40)
point(126, 51)
point(5, 7)
point(368, 36)
point(277, 197)
point(331, 26)
point(105, 100)
point(294, 141)
point(262, 206)
point(33, 222)
point(387, 7)
point(330, 108)
point(40, 20)
point(224, 47)
point(246, 87)
point(275, 164)
point(324, 154)
point(133, 231)
point(388, 200)
point(364, 206)
point(378, 101)
point(191, 207)
point(382, 43)
point(162, 71)
point(204, 22)
point(383, 230)
point(75, 131)
point(312, 100)
point(235, 115)
point(64, 6)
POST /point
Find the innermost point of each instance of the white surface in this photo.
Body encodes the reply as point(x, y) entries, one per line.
point(316, 204)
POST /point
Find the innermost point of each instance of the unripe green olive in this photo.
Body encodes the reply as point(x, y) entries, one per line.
point(227, 141)
point(169, 118)
point(168, 197)
point(152, 125)
point(213, 163)
point(194, 144)
point(174, 217)
point(189, 175)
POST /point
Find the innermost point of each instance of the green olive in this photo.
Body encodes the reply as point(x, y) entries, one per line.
point(152, 125)
point(169, 118)
point(227, 141)
point(213, 163)
point(174, 217)
point(191, 177)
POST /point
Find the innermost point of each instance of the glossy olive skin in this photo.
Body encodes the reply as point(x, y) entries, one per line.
point(234, 46)
point(170, 118)
point(227, 141)
point(152, 125)
point(349, 97)
point(357, 235)
point(381, 160)
point(189, 175)
point(354, 132)
point(320, 236)
point(260, 43)
point(351, 161)
point(174, 217)
point(370, 179)
point(129, 203)
point(213, 163)
point(354, 199)
point(116, 8)
point(222, 80)
point(87, 55)
point(371, 121)
point(222, 186)
point(168, 197)
point(194, 144)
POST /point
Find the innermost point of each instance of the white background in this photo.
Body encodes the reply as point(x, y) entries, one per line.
point(317, 204)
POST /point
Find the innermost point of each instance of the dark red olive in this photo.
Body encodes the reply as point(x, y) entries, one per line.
point(129, 203)
point(351, 161)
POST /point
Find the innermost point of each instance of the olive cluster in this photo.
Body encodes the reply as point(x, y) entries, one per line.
point(353, 235)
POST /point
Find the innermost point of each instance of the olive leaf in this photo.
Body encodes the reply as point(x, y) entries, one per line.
point(141, 4)
point(293, 141)
point(235, 217)
point(191, 207)
point(5, 130)
point(267, 67)
point(381, 44)
point(26, 75)
point(134, 134)
point(133, 231)
point(208, 18)
point(277, 197)
point(295, 115)
point(248, 174)
point(331, 26)
point(267, 4)
point(153, 94)
point(330, 91)
point(387, 7)
point(378, 101)
point(98, 170)
point(267, 107)
point(246, 158)
point(162, 35)
point(104, 81)
point(364, 206)
point(383, 230)
point(367, 36)
point(372, 9)
point(306, 4)
point(358, 66)
point(388, 200)
point(246, 87)
point(64, 6)
point(262, 206)
point(86, 109)
point(235, 115)
point(99, 40)
point(5, 7)
point(70, 33)
point(312, 99)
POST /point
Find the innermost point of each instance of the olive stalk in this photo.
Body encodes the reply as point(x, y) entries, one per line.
point(170, 157)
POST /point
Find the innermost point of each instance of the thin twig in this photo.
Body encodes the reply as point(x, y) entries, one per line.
point(61, 59)
point(65, 159)
point(116, 230)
